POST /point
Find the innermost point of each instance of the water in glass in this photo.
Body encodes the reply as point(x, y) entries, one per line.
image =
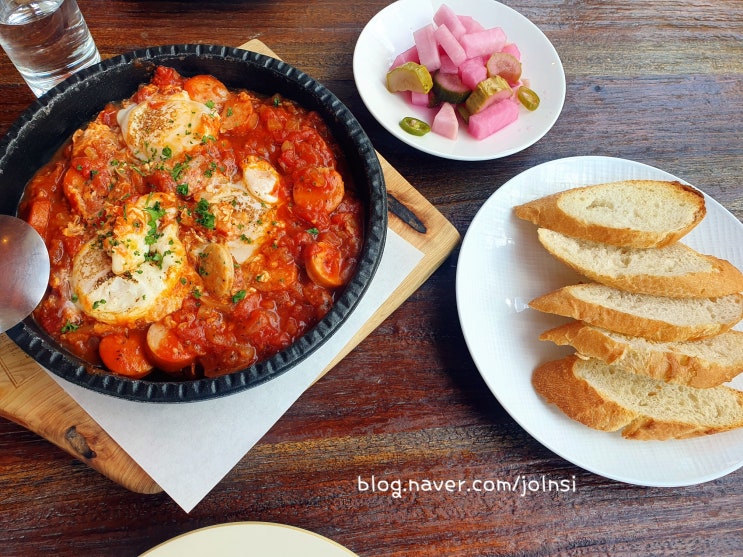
point(47, 40)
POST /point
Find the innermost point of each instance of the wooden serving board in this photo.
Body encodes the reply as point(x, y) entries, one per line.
point(31, 398)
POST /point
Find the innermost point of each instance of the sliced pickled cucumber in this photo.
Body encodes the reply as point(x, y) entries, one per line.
point(464, 113)
point(409, 77)
point(505, 65)
point(487, 92)
point(448, 88)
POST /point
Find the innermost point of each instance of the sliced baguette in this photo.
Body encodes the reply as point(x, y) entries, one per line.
point(633, 213)
point(702, 364)
point(675, 270)
point(653, 317)
point(608, 398)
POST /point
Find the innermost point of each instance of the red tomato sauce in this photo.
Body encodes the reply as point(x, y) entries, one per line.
point(210, 247)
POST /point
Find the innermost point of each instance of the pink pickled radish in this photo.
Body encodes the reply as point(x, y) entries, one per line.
point(446, 16)
point(428, 48)
point(483, 43)
point(445, 122)
point(495, 117)
point(472, 72)
point(450, 44)
point(419, 99)
point(460, 54)
point(513, 50)
point(471, 25)
point(447, 66)
point(410, 55)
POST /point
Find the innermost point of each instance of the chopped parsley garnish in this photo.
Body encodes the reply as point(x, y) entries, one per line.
point(154, 257)
point(203, 216)
point(209, 172)
point(182, 189)
point(237, 296)
point(179, 168)
point(154, 212)
point(70, 327)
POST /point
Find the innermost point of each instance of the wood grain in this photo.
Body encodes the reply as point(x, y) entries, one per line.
point(31, 398)
point(657, 82)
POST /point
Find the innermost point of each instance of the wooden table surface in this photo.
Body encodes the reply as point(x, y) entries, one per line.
point(656, 82)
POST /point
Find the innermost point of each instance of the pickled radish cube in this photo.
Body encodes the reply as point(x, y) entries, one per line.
point(428, 48)
point(419, 99)
point(471, 25)
point(513, 50)
point(493, 118)
point(445, 122)
point(472, 72)
point(410, 55)
point(447, 66)
point(483, 43)
point(446, 16)
point(450, 44)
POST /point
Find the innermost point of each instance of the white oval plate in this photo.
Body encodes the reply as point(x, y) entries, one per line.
point(390, 32)
point(502, 266)
point(257, 539)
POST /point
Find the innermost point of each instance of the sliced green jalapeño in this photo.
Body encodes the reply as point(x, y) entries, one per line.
point(414, 126)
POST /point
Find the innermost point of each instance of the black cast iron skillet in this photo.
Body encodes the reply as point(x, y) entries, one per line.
point(52, 119)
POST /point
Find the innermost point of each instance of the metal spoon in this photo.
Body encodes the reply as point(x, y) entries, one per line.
point(24, 270)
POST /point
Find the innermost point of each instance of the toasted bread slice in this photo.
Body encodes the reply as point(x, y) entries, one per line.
point(633, 213)
point(702, 363)
point(608, 398)
point(675, 270)
point(652, 317)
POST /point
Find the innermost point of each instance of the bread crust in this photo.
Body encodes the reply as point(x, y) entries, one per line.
point(558, 384)
point(563, 302)
point(662, 363)
point(723, 278)
point(547, 213)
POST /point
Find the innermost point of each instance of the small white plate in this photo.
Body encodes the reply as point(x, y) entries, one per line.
point(502, 266)
point(390, 32)
point(257, 539)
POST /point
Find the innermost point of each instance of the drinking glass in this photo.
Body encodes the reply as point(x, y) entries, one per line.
point(47, 40)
